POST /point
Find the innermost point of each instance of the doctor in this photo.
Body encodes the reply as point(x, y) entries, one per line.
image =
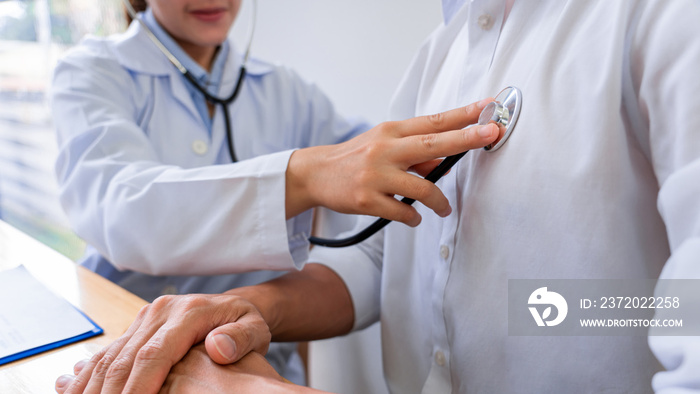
point(146, 177)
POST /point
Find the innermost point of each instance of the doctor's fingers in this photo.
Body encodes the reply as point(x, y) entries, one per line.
point(418, 189)
point(423, 169)
point(445, 121)
point(418, 149)
point(231, 342)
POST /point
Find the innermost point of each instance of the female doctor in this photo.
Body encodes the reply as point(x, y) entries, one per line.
point(147, 178)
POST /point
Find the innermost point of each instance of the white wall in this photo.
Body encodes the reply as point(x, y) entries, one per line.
point(356, 51)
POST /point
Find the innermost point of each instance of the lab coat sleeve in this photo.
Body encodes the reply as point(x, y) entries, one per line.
point(360, 267)
point(155, 218)
point(665, 54)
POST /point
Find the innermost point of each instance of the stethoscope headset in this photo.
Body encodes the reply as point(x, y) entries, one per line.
point(504, 111)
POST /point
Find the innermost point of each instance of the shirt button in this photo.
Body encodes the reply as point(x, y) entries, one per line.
point(199, 147)
point(444, 252)
point(485, 21)
point(169, 290)
point(440, 358)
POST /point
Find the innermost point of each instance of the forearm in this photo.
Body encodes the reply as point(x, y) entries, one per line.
point(122, 209)
point(307, 305)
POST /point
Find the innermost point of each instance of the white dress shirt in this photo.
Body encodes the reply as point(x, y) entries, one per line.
point(600, 179)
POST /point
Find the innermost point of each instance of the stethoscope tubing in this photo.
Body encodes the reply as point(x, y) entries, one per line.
point(224, 103)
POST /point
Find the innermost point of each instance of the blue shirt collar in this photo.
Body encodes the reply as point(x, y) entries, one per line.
point(450, 8)
point(200, 74)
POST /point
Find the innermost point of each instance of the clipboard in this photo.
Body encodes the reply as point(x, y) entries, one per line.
point(33, 319)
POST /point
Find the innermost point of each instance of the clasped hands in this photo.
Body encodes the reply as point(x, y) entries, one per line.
point(162, 351)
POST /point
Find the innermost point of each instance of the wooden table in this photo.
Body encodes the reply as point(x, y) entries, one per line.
point(107, 304)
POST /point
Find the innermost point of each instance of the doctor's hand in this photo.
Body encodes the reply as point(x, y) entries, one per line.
point(362, 175)
point(162, 334)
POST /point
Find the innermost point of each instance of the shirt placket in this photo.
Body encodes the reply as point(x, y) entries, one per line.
point(439, 377)
point(484, 24)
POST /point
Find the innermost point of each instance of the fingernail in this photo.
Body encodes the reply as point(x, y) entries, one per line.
point(63, 381)
point(225, 345)
point(79, 366)
point(445, 212)
point(485, 131)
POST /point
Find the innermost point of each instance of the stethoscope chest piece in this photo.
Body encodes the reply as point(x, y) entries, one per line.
point(503, 111)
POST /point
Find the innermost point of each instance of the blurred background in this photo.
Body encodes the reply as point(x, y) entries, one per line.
point(355, 50)
point(33, 34)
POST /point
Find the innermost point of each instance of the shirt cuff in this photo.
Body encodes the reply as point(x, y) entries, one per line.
point(298, 232)
point(284, 242)
point(362, 278)
point(680, 355)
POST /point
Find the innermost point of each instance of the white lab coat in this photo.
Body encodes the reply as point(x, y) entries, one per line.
point(149, 189)
point(143, 182)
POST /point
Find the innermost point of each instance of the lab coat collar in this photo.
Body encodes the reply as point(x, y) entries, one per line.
point(135, 51)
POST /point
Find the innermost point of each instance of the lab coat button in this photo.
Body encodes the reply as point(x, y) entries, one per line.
point(485, 21)
point(169, 290)
point(440, 358)
point(199, 147)
point(444, 252)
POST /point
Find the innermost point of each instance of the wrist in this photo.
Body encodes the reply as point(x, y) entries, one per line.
point(262, 299)
point(298, 196)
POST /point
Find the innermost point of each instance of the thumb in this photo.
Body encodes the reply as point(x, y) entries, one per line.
point(229, 343)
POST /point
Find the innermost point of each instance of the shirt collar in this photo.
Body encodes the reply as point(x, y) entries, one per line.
point(450, 8)
point(193, 67)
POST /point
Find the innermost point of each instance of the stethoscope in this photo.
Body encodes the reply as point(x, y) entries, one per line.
point(503, 111)
point(223, 102)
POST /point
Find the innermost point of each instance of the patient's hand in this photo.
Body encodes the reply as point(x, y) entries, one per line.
point(163, 333)
point(197, 373)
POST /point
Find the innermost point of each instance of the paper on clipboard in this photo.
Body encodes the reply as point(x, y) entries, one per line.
point(33, 319)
